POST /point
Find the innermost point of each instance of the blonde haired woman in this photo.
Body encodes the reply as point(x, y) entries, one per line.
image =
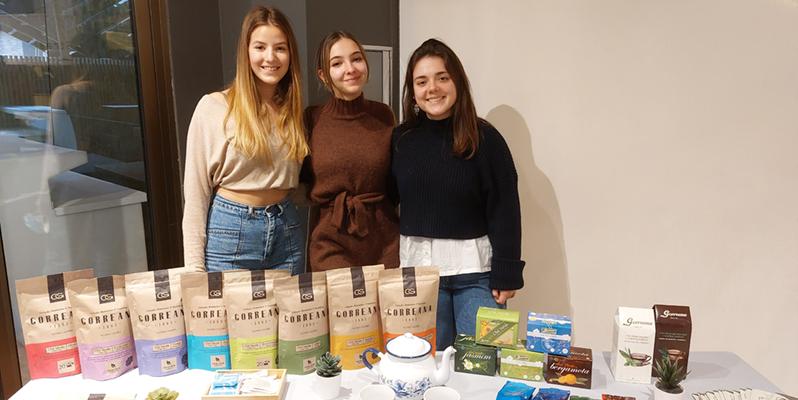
point(243, 155)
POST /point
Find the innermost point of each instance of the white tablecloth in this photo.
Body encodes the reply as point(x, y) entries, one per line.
point(709, 371)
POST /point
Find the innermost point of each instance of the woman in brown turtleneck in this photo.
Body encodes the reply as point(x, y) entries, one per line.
point(349, 166)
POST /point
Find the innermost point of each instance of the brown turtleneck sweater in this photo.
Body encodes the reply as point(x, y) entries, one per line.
point(348, 172)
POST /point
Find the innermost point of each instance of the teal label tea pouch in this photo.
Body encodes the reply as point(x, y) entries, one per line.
point(206, 320)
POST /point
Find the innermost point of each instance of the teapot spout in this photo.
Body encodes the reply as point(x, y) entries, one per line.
point(441, 375)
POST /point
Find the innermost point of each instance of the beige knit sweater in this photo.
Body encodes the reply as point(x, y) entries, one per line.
point(213, 162)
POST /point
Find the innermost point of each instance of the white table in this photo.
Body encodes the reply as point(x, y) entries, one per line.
point(710, 371)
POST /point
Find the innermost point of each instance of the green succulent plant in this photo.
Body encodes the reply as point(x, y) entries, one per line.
point(328, 365)
point(162, 394)
point(669, 374)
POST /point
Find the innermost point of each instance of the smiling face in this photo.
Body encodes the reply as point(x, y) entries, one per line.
point(433, 88)
point(269, 55)
point(348, 69)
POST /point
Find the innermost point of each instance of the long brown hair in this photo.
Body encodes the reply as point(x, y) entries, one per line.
point(255, 122)
point(323, 56)
point(464, 114)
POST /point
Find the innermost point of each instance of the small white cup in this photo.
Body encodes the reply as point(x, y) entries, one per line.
point(441, 393)
point(376, 392)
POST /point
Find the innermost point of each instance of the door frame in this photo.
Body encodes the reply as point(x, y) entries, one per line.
point(10, 377)
point(156, 102)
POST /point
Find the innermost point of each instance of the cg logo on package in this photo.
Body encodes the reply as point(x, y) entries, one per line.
point(162, 295)
point(259, 294)
point(214, 294)
point(359, 292)
point(307, 296)
point(57, 296)
point(106, 297)
point(410, 292)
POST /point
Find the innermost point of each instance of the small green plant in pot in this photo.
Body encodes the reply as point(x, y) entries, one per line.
point(328, 369)
point(669, 378)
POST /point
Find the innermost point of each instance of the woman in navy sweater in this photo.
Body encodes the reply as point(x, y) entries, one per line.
point(458, 192)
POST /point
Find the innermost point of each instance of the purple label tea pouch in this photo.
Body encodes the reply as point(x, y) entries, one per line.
point(156, 312)
point(102, 326)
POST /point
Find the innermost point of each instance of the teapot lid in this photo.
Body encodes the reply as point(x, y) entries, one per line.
point(408, 346)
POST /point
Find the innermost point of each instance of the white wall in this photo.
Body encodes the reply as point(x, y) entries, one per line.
point(656, 144)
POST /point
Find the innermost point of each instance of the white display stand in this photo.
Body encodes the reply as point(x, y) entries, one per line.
point(710, 371)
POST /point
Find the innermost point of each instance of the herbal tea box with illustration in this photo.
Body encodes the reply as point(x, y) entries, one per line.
point(520, 363)
point(574, 370)
point(497, 327)
point(674, 327)
point(548, 333)
point(473, 358)
point(633, 345)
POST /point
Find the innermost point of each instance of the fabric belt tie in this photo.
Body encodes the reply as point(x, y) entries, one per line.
point(353, 209)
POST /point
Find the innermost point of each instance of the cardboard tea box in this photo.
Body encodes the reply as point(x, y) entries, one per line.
point(574, 370)
point(672, 339)
point(615, 397)
point(473, 358)
point(520, 363)
point(548, 333)
point(497, 327)
point(633, 345)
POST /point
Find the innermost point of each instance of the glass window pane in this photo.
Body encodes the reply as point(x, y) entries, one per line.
point(72, 181)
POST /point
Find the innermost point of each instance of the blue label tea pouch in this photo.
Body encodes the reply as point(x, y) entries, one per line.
point(515, 391)
point(552, 394)
point(206, 320)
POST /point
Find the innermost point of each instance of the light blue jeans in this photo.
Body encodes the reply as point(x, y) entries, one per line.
point(459, 298)
point(244, 237)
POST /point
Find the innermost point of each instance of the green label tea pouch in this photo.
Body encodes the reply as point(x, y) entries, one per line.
point(354, 313)
point(252, 317)
point(302, 328)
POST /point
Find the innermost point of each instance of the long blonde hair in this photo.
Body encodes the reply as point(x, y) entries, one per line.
point(255, 122)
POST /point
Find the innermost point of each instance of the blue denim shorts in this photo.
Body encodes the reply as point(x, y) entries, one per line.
point(244, 237)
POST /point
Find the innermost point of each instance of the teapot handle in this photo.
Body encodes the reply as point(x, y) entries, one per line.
point(365, 359)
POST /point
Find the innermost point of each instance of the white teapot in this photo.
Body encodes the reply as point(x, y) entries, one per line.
point(408, 367)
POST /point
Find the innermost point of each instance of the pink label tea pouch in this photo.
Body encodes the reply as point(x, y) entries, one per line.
point(46, 317)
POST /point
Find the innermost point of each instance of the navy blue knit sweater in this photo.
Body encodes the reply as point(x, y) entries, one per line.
point(445, 196)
